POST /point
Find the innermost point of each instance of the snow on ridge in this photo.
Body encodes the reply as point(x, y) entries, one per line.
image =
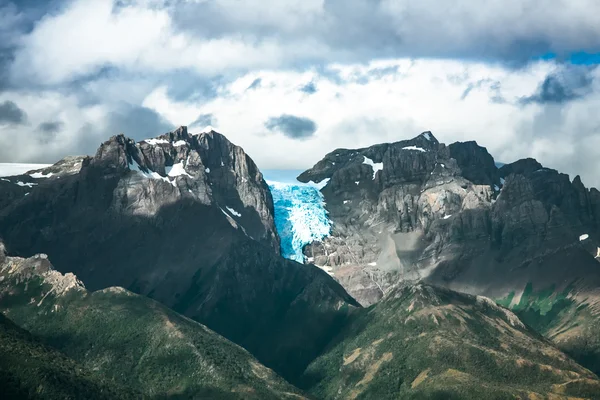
point(376, 166)
point(38, 175)
point(180, 143)
point(177, 170)
point(154, 142)
point(28, 184)
point(232, 211)
point(319, 185)
point(583, 237)
point(134, 166)
point(414, 148)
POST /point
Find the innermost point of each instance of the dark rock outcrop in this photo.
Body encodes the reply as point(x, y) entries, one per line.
point(448, 216)
point(186, 219)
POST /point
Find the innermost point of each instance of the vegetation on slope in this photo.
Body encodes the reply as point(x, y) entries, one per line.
point(569, 319)
point(427, 342)
point(131, 339)
point(31, 370)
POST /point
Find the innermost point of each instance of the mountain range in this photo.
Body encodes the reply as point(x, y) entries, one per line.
point(154, 269)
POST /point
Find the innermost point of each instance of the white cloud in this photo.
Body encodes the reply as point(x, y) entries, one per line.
point(211, 37)
point(422, 95)
point(90, 35)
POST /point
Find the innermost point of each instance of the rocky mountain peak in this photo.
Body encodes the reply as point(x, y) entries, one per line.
point(523, 166)
point(476, 164)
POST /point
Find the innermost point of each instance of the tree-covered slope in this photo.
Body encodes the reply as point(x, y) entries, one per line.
point(425, 342)
point(131, 339)
point(31, 370)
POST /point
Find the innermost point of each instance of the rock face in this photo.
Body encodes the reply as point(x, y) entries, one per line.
point(523, 234)
point(385, 199)
point(95, 329)
point(426, 342)
point(185, 219)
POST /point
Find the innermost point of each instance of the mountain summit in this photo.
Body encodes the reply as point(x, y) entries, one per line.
point(417, 209)
point(187, 220)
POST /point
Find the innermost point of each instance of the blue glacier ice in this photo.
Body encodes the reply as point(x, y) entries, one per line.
point(300, 215)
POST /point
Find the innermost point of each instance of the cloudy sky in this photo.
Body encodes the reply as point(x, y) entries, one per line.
point(291, 80)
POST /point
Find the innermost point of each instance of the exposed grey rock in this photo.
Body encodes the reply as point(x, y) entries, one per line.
point(444, 214)
point(186, 219)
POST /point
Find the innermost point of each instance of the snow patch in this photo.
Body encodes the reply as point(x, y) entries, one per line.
point(177, 170)
point(346, 201)
point(357, 182)
point(496, 188)
point(583, 237)
point(38, 175)
point(180, 143)
point(376, 166)
point(414, 148)
point(154, 142)
point(502, 180)
point(134, 166)
point(28, 184)
point(207, 170)
point(447, 216)
point(427, 135)
point(321, 184)
point(232, 211)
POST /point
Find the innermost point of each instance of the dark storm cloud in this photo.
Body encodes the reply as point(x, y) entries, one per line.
point(562, 87)
point(309, 88)
point(47, 131)
point(203, 120)
point(355, 30)
point(51, 126)
point(11, 114)
point(137, 123)
point(292, 126)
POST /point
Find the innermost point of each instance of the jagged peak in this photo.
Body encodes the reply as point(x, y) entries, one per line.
point(427, 135)
point(522, 166)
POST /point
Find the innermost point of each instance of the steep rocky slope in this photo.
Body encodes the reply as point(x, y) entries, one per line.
point(426, 342)
point(134, 341)
point(524, 235)
point(186, 219)
point(32, 370)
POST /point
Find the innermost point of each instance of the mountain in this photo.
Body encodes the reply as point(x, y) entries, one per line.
point(187, 220)
point(522, 234)
point(32, 370)
point(134, 341)
point(427, 342)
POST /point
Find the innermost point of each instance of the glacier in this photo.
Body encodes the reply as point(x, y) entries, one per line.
point(300, 215)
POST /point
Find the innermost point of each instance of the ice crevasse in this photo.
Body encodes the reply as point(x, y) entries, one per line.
point(300, 217)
